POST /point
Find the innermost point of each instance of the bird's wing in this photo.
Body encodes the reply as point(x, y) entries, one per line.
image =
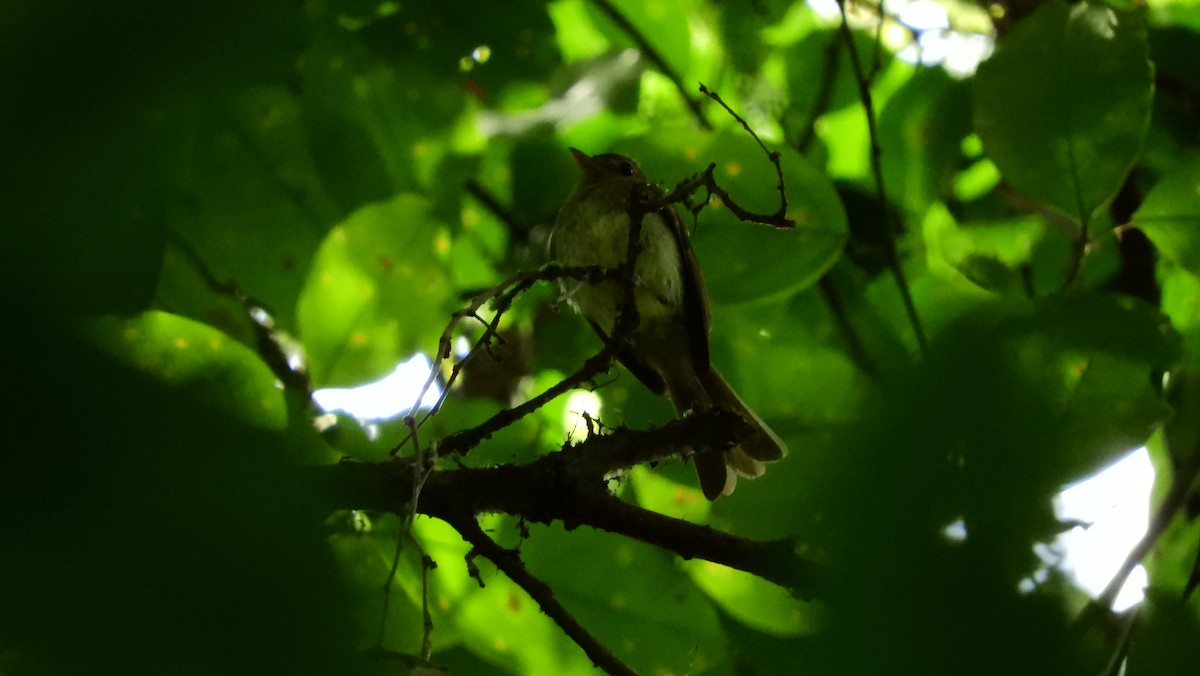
point(630, 360)
point(697, 316)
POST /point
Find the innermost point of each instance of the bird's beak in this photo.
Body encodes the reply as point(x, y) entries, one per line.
point(587, 165)
point(581, 158)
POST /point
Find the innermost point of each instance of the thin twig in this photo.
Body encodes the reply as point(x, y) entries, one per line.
point(387, 585)
point(1127, 623)
point(427, 565)
point(464, 440)
point(509, 563)
point(864, 92)
point(655, 58)
point(781, 213)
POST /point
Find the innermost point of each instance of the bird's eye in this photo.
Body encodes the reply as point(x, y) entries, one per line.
point(626, 168)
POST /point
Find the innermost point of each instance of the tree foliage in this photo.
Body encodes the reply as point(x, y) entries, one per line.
point(215, 208)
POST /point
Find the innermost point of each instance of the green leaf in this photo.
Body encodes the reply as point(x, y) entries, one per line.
point(922, 127)
point(663, 23)
point(1091, 360)
point(493, 617)
point(746, 55)
point(631, 596)
point(375, 125)
point(753, 601)
point(1181, 303)
point(1063, 104)
point(1170, 216)
point(988, 254)
point(376, 292)
point(253, 209)
point(194, 357)
point(364, 546)
point(783, 361)
point(1182, 431)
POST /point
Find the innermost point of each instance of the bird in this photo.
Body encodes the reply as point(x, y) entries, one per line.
point(668, 348)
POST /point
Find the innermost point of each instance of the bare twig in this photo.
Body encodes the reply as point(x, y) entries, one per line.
point(778, 219)
point(655, 58)
point(864, 92)
point(427, 565)
point(509, 562)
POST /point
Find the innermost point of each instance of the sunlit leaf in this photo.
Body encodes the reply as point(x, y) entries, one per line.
point(988, 254)
point(632, 597)
point(754, 601)
point(375, 293)
point(922, 127)
point(1063, 104)
point(194, 357)
point(1170, 217)
point(364, 546)
point(1181, 303)
point(497, 621)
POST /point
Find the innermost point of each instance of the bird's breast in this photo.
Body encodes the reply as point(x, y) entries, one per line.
point(597, 236)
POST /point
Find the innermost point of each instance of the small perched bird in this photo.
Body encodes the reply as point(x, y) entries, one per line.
point(668, 349)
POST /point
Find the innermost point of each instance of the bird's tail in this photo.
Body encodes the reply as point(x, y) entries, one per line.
point(718, 472)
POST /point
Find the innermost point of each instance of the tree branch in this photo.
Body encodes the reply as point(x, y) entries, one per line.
point(569, 487)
